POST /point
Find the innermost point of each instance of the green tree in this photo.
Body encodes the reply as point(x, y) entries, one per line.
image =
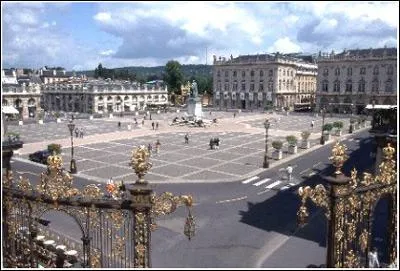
point(173, 76)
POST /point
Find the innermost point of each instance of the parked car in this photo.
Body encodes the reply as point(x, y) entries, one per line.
point(40, 156)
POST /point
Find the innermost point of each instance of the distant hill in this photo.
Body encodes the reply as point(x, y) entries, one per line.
point(157, 72)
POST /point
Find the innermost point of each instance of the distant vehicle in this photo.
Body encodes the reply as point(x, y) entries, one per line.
point(40, 156)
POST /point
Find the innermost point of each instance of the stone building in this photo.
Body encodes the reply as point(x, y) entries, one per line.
point(255, 81)
point(350, 80)
point(25, 97)
point(100, 96)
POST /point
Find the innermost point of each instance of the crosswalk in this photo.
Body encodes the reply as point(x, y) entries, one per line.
point(269, 183)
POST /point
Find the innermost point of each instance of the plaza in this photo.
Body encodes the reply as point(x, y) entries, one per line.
point(105, 150)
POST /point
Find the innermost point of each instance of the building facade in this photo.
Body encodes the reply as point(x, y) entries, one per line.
point(350, 80)
point(102, 96)
point(257, 81)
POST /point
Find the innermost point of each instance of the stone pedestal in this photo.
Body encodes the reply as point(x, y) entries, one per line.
point(195, 108)
point(277, 154)
point(292, 149)
point(305, 144)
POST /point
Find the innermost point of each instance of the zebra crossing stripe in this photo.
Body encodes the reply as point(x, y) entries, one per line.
point(273, 184)
point(262, 181)
point(251, 179)
point(284, 187)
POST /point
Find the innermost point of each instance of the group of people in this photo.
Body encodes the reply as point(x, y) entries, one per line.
point(157, 147)
point(79, 132)
point(154, 125)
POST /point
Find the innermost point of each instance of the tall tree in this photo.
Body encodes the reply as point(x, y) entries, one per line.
point(173, 76)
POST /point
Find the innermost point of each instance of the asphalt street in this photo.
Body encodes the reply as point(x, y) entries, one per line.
point(240, 224)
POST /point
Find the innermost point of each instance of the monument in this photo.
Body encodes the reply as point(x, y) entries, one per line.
point(194, 103)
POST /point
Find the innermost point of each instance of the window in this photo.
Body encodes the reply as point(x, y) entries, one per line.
point(235, 85)
point(243, 86)
point(362, 70)
point(375, 85)
point(280, 85)
point(226, 73)
point(234, 73)
point(226, 87)
point(349, 71)
point(376, 70)
point(243, 73)
point(270, 85)
point(291, 73)
point(252, 73)
point(261, 73)
point(326, 72)
point(389, 86)
point(361, 85)
point(261, 88)
point(336, 86)
point(337, 71)
point(218, 73)
point(349, 86)
point(325, 86)
point(252, 87)
point(271, 72)
point(390, 70)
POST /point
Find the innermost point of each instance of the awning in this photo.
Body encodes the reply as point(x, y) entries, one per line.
point(380, 106)
point(8, 109)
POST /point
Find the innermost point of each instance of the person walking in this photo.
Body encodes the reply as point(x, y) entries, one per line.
point(81, 133)
point(373, 260)
point(289, 170)
point(142, 122)
point(234, 115)
point(152, 125)
point(158, 144)
point(76, 132)
point(187, 138)
point(119, 124)
point(157, 125)
point(312, 124)
point(149, 148)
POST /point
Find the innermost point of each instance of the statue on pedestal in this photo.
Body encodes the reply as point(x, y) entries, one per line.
point(193, 90)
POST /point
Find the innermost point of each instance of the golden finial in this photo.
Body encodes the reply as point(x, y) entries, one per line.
point(140, 162)
point(388, 152)
point(54, 162)
point(339, 156)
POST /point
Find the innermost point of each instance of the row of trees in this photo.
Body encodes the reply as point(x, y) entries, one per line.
point(172, 75)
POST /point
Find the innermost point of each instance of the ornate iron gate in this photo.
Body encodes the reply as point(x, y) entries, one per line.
point(349, 205)
point(115, 226)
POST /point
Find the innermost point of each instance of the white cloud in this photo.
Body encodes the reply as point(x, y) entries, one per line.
point(284, 45)
point(103, 17)
point(107, 52)
point(326, 25)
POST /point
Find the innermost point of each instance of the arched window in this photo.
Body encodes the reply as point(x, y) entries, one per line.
point(336, 86)
point(325, 86)
point(326, 72)
point(234, 73)
point(218, 73)
point(389, 86)
point(226, 73)
point(376, 70)
point(252, 73)
point(243, 73)
point(337, 71)
point(270, 85)
point(349, 86)
point(235, 85)
point(361, 85)
point(271, 72)
point(261, 73)
point(362, 70)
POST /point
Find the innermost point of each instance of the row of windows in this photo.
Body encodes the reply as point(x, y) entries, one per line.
point(389, 71)
point(361, 86)
point(281, 85)
point(252, 73)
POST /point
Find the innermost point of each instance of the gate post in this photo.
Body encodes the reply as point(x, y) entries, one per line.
point(141, 204)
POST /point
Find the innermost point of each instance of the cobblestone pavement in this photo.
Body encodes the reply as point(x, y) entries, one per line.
point(105, 150)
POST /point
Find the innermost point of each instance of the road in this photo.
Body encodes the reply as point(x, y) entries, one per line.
point(241, 224)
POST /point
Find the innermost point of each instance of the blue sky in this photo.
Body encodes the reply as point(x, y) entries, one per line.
point(80, 35)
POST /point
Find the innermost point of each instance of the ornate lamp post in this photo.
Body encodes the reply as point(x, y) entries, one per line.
point(71, 127)
point(322, 140)
point(266, 163)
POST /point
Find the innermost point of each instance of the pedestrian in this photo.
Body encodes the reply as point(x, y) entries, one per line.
point(312, 124)
point(157, 125)
point(119, 124)
point(142, 122)
point(210, 113)
point(150, 117)
point(187, 138)
point(373, 258)
point(81, 133)
point(234, 115)
point(289, 170)
point(76, 132)
point(152, 125)
point(158, 144)
point(149, 148)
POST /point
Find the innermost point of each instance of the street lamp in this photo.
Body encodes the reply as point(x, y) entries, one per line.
point(322, 140)
point(266, 163)
point(71, 127)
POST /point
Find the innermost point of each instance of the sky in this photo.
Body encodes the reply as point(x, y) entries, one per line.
point(80, 35)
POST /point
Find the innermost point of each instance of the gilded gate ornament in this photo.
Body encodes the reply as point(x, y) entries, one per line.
point(354, 203)
point(140, 162)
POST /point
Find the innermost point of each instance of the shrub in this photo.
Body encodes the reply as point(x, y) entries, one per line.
point(305, 135)
point(277, 144)
point(57, 114)
point(338, 125)
point(327, 127)
point(54, 148)
point(12, 136)
point(292, 140)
